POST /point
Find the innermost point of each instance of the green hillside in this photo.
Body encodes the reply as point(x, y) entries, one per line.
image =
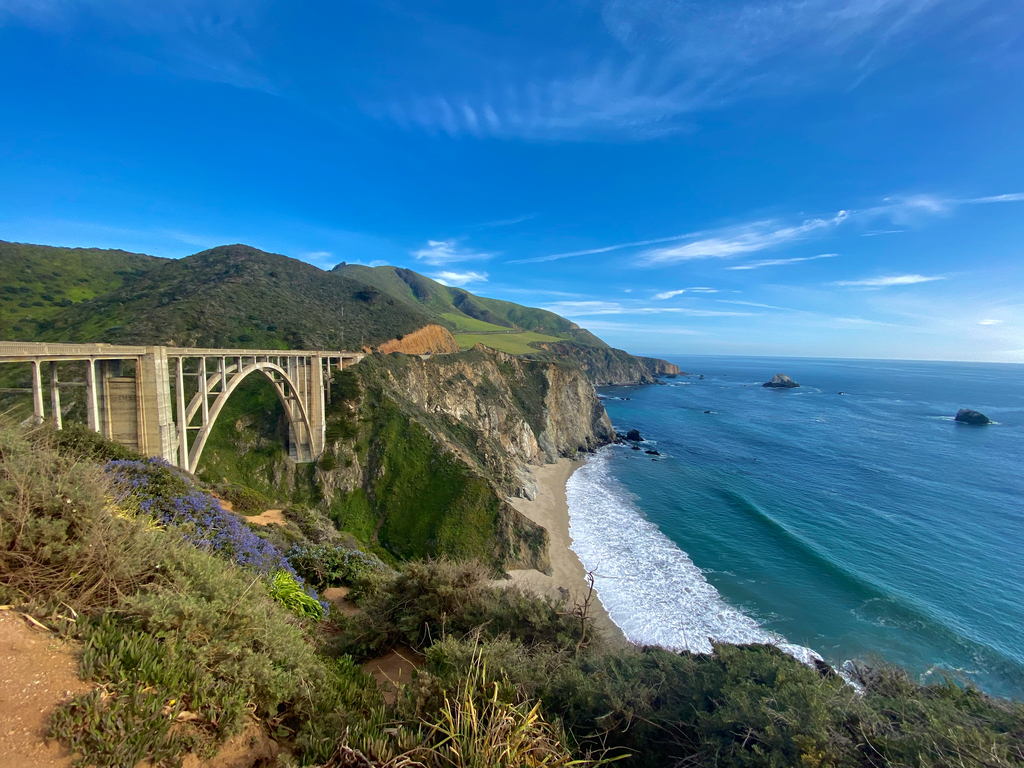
point(238, 296)
point(39, 282)
point(464, 313)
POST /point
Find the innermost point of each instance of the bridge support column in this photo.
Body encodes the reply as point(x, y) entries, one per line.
point(37, 393)
point(156, 430)
point(317, 420)
point(58, 417)
point(92, 401)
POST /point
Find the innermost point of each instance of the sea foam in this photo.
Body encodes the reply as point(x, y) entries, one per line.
point(649, 586)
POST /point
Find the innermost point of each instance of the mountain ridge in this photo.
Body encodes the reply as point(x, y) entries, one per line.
point(240, 296)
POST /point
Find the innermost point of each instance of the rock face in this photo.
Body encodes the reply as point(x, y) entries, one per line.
point(606, 366)
point(967, 416)
point(781, 381)
point(428, 339)
point(437, 446)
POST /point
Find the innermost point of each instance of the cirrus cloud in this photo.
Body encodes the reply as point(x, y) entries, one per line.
point(885, 282)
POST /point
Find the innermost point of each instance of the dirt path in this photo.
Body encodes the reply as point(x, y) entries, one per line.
point(270, 516)
point(393, 670)
point(37, 672)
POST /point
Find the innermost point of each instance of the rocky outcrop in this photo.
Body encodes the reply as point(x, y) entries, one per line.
point(605, 366)
point(518, 412)
point(967, 416)
point(433, 449)
point(634, 436)
point(781, 381)
point(429, 339)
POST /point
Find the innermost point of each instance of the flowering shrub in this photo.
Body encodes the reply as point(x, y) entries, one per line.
point(324, 565)
point(169, 497)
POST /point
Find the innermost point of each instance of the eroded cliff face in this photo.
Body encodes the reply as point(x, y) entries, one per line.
point(605, 366)
point(427, 340)
point(425, 456)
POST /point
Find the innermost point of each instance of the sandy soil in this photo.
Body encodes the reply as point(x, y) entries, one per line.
point(37, 672)
point(338, 598)
point(551, 510)
point(393, 670)
point(270, 516)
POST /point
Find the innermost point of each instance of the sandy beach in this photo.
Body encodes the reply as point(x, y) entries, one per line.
point(551, 510)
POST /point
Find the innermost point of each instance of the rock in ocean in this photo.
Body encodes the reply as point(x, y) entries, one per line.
point(634, 436)
point(782, 381)
point(967, 416)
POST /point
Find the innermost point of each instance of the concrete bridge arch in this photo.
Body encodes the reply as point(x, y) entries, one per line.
point(163, 394)
point(300, 430)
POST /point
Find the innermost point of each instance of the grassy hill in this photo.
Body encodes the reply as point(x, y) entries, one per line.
point(240, 296)
point(234, 296)
point(466, 315)
point(40, 282)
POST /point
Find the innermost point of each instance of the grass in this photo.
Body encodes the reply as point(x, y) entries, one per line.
point(40, 282)
point(514, 343)
point(465, 324)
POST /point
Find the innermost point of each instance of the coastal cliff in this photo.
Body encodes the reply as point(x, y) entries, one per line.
point(606, 366)
point(423, 453)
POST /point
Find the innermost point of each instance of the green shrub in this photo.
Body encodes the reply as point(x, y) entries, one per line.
point(61, 541)
point(322, 565)
point(426, 601)
point(244, 501)
point(289, 593)
point(79, 442)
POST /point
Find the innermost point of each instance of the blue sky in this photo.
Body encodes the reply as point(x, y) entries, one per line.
point(839, 178)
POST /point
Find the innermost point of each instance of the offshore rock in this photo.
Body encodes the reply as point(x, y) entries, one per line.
point(634, 435)
point(781, 381)
point(967, 416)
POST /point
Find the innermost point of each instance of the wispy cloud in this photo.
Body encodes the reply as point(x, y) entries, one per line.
point(509, 222)
point(738, 240)
point(734, 241)
point(670, 294)
point(200, 39)
point(755, 304)
point(885, 282)
point(782, 262)
point(989, 321)
point(460, 279)
point(586, 308)
point(667, 60)
point(439, 252)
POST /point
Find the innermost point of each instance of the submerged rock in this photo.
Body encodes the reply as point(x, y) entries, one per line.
point(781, 381)
point(653, 453)
point(634, 435)
point(967, 416)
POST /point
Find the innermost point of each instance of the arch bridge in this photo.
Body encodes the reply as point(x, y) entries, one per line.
point(164, 401)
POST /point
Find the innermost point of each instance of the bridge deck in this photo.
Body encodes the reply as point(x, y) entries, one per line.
point(26, 351)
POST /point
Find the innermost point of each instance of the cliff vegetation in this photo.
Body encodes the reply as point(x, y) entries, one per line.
point(193, 626)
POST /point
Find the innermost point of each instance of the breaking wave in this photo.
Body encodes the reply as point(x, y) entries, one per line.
point(649, 586)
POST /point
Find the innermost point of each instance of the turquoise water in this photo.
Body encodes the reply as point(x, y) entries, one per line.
point(860, 526)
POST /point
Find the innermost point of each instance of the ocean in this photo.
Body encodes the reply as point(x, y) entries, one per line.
point(866, 525)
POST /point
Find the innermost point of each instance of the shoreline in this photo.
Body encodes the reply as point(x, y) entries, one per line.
point(550, 510)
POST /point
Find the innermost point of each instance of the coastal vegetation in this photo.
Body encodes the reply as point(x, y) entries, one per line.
point(192, 629)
